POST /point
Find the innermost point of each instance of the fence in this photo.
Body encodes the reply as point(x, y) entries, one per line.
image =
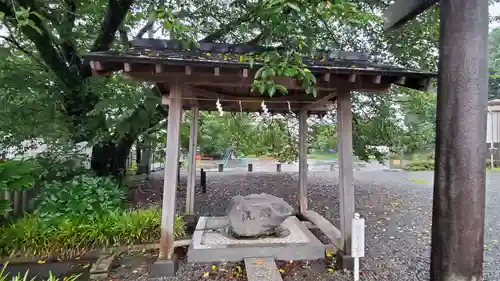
point(157, 160)
point(20, 202)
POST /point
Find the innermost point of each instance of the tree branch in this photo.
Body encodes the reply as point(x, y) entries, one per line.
point(44, 44)
point(151, 20)
point(257, 39)
point(226, 28)
point(113, 18)
point(18, 46)
point(124, 37)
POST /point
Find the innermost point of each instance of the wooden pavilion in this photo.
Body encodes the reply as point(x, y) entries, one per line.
point(197, 79)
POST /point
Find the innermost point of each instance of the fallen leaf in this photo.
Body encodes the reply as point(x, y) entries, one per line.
point(331, 269)
point(214, 268)
point(40, 262)
point(260, 262)
point(205, 275)
point(282, 270)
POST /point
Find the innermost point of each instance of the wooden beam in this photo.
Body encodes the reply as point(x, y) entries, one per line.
point(170, 176)
point(238, 81)
point(346, 182)
point(403, 11)
point(326, 77)
point(158, 68)
point(127, 67)
point(322, 101)
point(193, 144)
point(303, 160)
point(96, 65)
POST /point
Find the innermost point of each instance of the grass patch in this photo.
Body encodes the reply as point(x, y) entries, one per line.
point(73, 237)
point(495, 169)
point(5, 276)
point(322, 156)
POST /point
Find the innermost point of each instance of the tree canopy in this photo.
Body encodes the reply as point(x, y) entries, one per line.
point(48, 91)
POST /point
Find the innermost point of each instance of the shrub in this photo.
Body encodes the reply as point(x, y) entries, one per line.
point(420, 166)
point(72, 237)
point(61, 164)
point(83, 196)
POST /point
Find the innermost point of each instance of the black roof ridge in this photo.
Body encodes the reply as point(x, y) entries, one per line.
point(178, 45)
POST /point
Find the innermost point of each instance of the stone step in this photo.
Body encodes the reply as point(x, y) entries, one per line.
point(100, 268)
point(331, 232)
point(262, 269)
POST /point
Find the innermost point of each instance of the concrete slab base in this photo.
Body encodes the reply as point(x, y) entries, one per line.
point(163, 268)
point(262, 269)
point(210, 245)
point(346, 262)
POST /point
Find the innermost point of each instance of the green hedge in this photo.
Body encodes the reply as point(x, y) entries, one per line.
point(429, 166)
point(72, 237)
point(420, 166)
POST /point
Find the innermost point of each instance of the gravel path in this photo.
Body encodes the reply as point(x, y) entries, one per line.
point(396, 206)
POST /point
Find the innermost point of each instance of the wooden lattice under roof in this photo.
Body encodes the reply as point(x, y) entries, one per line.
point(223, 72)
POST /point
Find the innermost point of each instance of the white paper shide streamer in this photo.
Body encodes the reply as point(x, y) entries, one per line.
point(264, 108)
point(219, 107)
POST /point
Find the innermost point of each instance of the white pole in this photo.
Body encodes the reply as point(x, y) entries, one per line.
point(356, 269)
point(492, 160)
point(358, 242)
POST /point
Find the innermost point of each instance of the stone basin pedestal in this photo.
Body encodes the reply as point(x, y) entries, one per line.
point(210, 244)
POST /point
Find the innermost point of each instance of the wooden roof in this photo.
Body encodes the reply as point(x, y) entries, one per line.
point(224, 72)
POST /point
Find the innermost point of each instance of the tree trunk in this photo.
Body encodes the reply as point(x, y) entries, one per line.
point(109, 159)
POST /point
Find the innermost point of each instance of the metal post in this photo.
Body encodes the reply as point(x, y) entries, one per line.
point(203, 180)
point(250, 167)
point(459, 177)
point(170, 177)
point(191, 180)
point(221, 167)
point(278, 167)
point(303, 161)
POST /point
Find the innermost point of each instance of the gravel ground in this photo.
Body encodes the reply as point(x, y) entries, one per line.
point(396, 206)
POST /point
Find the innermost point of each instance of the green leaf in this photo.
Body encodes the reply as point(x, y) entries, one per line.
point(262, 88)
point(282, 89)
point(269, 72)
point(293, 6)
point(272, 90)
point(259, 72)
point(32, 24)
point(2, 15)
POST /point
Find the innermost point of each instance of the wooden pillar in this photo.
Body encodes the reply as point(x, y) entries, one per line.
point(303, 161)
point(459, 177)
point(170, 178)
point(193, 144)
point(346, 187)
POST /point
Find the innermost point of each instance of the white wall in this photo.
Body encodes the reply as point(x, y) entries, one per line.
point(493, 125)
point(39, 147)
